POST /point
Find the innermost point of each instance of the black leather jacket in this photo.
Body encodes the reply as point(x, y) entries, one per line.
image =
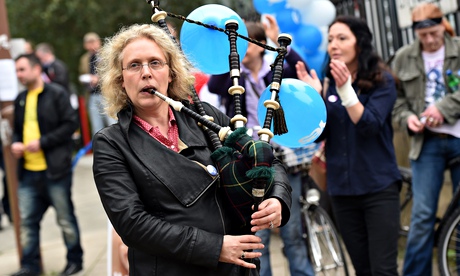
point(57, 121)
point(165, 205)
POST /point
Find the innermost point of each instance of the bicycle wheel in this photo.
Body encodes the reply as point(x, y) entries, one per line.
point(323, 242)
point(449, 246)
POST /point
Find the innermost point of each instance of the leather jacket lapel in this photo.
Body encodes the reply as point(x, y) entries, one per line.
point(166, 166)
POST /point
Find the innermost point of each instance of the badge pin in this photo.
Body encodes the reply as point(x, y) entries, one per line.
point(332, 98)
point(211, 170)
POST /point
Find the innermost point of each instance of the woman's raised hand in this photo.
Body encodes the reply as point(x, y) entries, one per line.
point(272, 29)
point(310, 78)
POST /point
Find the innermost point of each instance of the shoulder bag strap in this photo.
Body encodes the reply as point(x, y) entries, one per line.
point(325, 87)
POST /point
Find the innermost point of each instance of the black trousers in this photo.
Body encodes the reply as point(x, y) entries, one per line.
point(369, 225)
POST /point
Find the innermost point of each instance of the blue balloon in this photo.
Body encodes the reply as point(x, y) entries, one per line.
point(268, 6)
point(304, 111)
point(288, 20)
point(308, 37)
point(208, 49)
point(299, 50)
point(316, 61)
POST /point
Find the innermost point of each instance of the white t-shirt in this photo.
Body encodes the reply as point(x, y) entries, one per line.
point(436, 89)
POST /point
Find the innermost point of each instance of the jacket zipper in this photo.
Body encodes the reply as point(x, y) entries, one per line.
point(220, 212)
point(204, 191)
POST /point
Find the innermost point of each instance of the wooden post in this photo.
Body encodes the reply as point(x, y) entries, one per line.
point(6, 107)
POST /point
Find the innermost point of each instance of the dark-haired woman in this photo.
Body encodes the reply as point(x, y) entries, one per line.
point(362, 175)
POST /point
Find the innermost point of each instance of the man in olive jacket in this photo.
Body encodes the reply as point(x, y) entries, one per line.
point(429, 109)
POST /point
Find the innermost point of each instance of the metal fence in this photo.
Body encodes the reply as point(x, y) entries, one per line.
point(382, 18)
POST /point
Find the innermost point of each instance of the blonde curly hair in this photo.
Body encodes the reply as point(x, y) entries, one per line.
point(109, 66)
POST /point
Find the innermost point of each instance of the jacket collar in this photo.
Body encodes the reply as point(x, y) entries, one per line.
point(451, 49)
point(189, 131)
point(166, 165)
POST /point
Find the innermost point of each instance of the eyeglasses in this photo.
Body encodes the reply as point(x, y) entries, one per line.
point(136, 67)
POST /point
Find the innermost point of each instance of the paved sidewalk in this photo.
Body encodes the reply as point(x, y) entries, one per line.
point(93, 228)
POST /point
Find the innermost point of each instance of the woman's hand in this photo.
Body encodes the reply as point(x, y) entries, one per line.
point(345, 90)
point(234, 249)
point(271, 29)
point(311, 79)
point(268, 215)
point(340, 72)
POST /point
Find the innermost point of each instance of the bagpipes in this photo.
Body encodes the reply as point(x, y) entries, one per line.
point(245, 165)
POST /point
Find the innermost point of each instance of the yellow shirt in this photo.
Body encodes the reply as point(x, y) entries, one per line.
point(34, 161)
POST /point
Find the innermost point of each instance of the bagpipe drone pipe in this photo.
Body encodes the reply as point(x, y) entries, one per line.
point(209, 40)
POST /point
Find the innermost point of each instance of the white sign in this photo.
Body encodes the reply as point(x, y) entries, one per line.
point(404, 9)
point(18, 46)
point(8, 80)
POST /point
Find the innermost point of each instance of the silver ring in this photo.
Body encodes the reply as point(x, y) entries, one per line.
point(271, 224)
point(243, 255)
point(431, 119)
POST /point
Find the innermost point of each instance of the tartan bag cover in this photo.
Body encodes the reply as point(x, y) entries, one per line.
point(240, 161)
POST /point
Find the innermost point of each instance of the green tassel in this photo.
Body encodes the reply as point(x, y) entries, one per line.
point(235, 136)
point(261, 172)
point(221, 152)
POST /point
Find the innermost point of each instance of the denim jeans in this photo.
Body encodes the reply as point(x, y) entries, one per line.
point(427, 179)
point(97, 117)
point(291, 234)
point(36, 192)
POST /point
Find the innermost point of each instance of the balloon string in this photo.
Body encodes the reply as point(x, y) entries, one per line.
point(265, 46)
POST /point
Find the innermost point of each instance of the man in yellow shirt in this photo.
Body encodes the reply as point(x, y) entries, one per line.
point(44, 122)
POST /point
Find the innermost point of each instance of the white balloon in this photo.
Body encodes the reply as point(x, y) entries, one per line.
point(297, 4)
point(324, 31)
point(318, 12)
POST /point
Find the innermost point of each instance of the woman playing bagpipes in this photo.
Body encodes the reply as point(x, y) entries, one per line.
point(153, 169)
